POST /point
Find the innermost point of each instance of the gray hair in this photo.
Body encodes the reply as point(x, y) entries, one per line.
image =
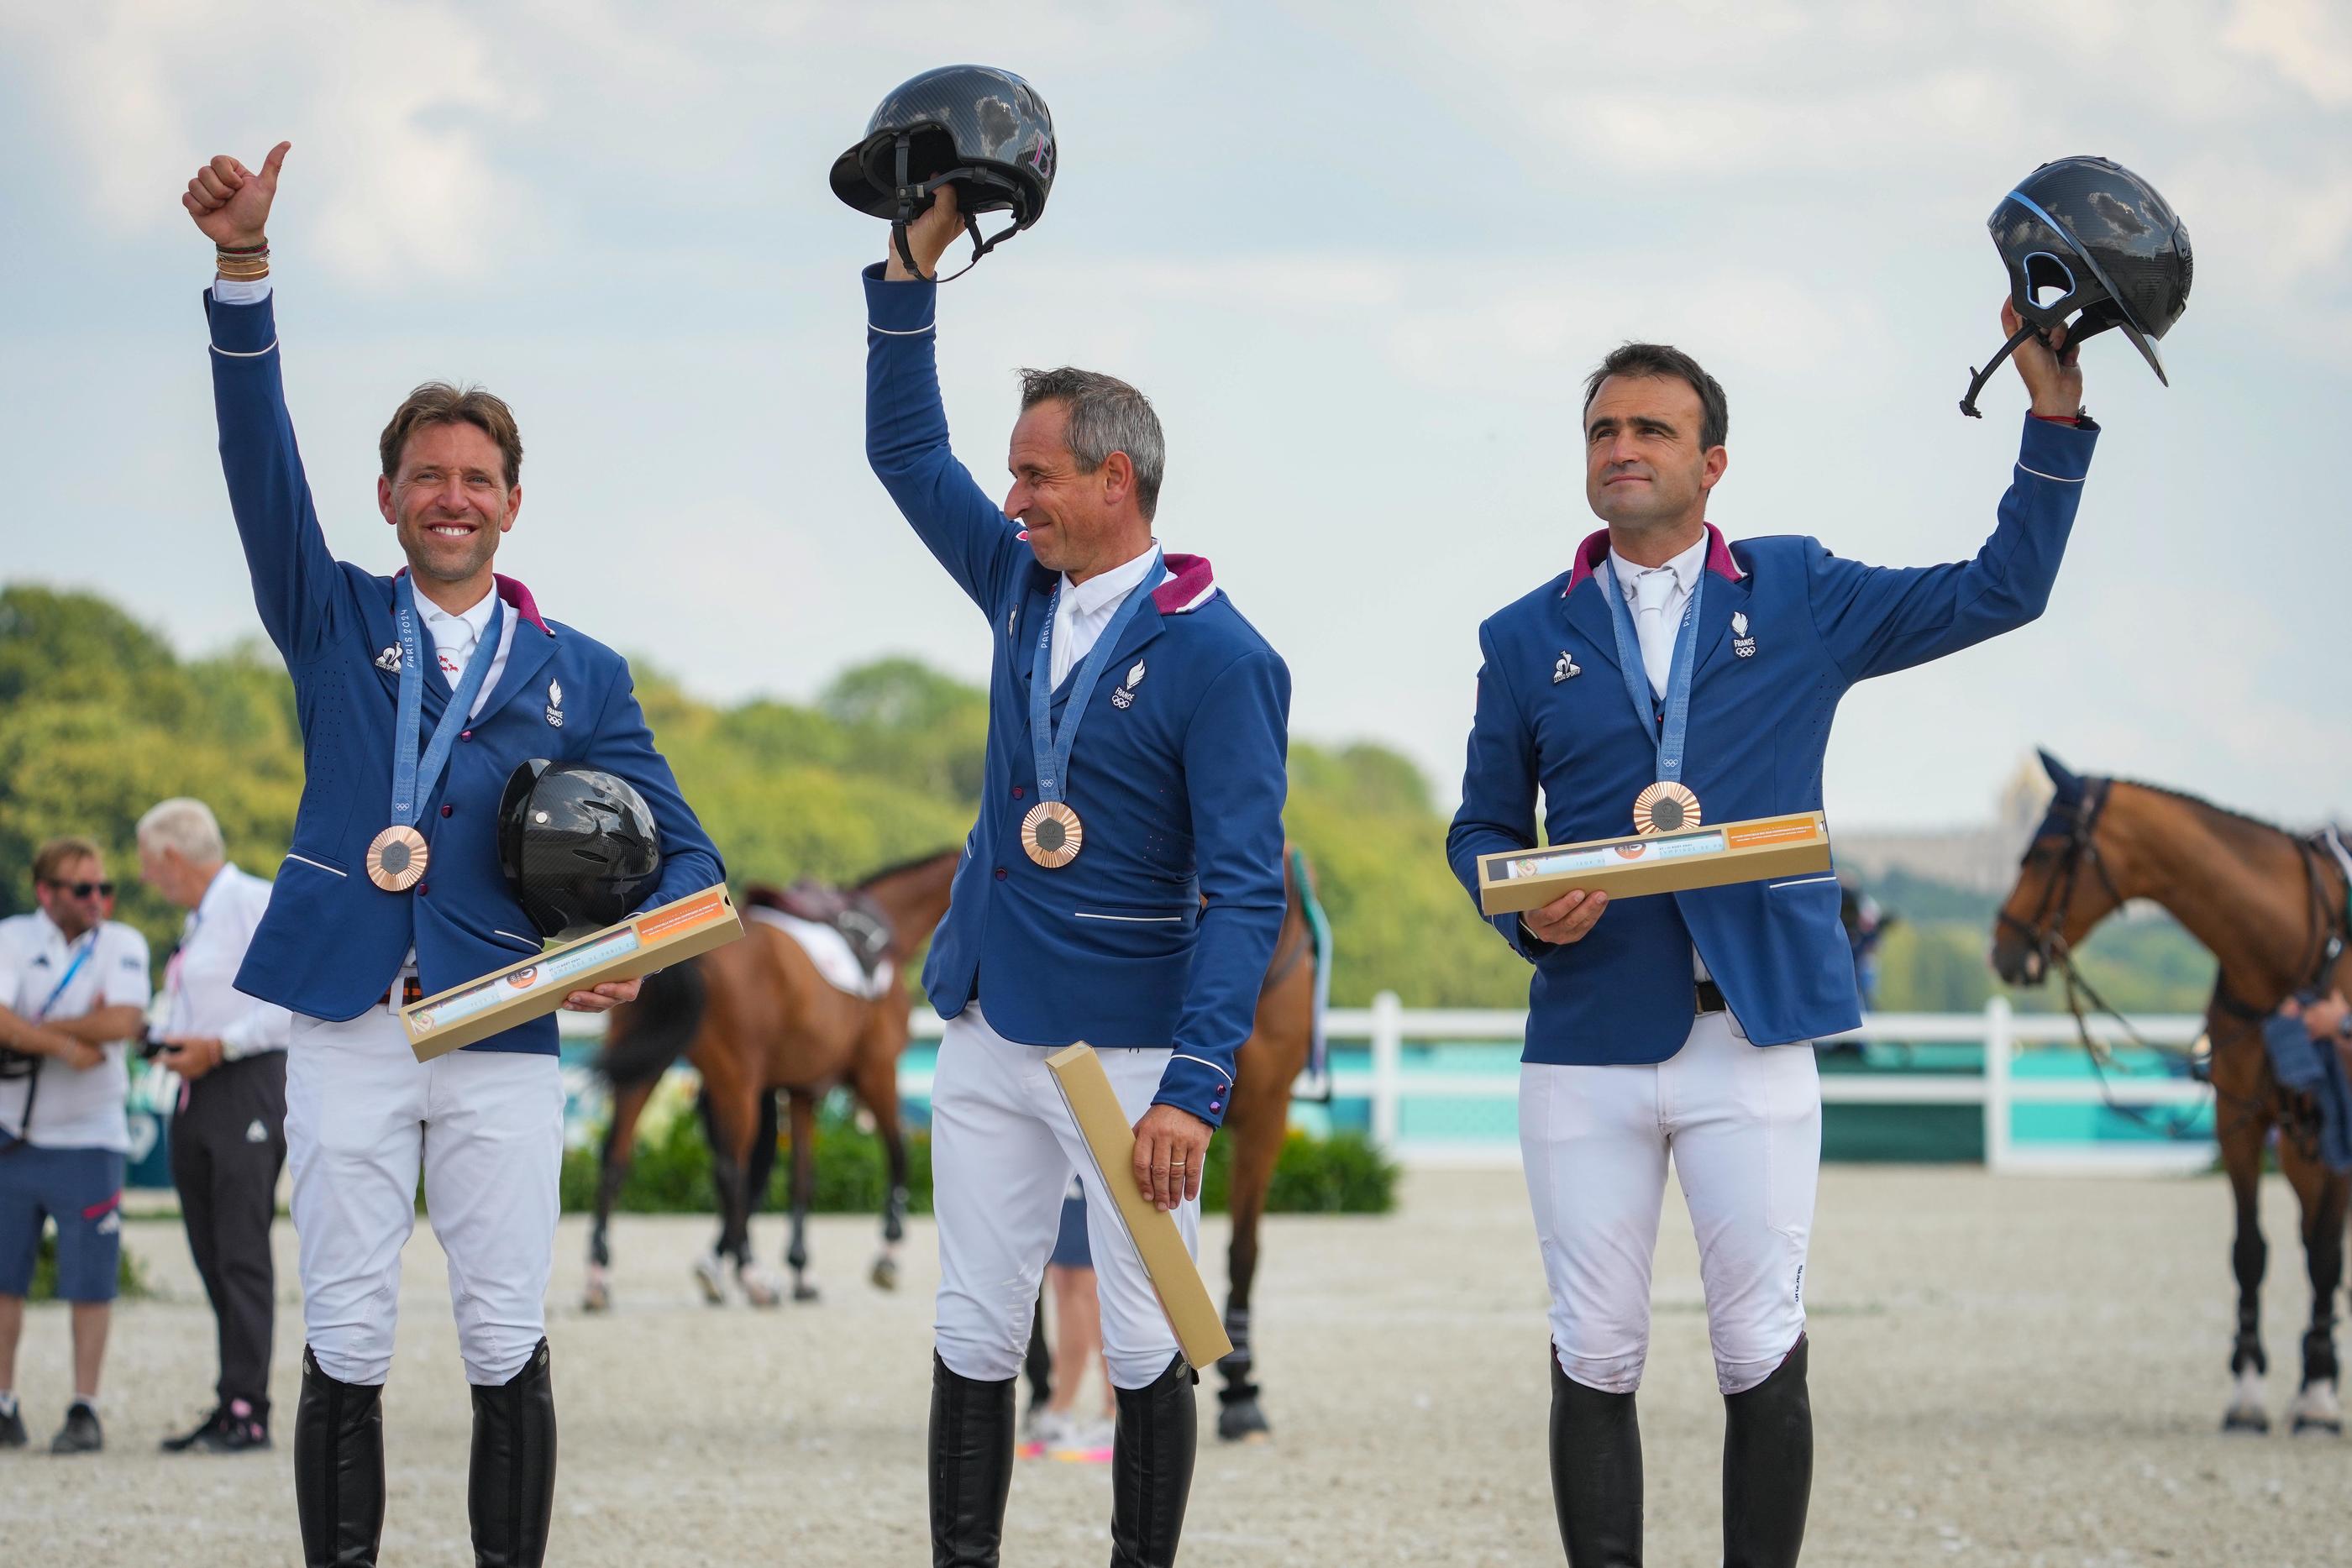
point(1107, 415)
point(187, 825)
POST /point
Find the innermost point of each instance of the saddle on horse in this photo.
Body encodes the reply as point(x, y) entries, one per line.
point(856, 916)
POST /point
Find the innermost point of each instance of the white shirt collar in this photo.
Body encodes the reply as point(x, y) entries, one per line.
point(1686, 567)
point(216, 889)
point(1107, 587)
point(477, 618)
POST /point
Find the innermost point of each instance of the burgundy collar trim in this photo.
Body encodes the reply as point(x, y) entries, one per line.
point(1191, 585)
point(514, 593)
point(1595, 549)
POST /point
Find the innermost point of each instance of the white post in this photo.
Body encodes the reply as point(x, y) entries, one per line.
point(1999, 1046)
point(1388, 1068)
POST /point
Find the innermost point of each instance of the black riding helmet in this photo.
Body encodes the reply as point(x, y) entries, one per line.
point(2100, 238)
point(578, 846)
point(983, 131)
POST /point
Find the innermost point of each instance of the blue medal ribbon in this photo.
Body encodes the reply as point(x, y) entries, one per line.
point(411, 779)
point(1051, 750)
point(1676, 723)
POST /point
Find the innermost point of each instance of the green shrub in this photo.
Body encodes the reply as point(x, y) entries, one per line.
point(671, 1174)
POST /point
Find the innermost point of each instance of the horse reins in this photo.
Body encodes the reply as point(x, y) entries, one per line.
point(2045, 934)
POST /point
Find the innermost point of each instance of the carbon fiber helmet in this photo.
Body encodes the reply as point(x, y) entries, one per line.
point(2088, 236)
point(983, 131)
point(578, 846)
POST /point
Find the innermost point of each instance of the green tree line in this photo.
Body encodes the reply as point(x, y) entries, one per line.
point(99, 719)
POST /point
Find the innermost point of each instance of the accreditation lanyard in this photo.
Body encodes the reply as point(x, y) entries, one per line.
point(413, 779)
point(1671, 729)
point(1051, 749)
point(89, 946)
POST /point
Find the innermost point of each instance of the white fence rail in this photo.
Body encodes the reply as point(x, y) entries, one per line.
point(1388, 1026)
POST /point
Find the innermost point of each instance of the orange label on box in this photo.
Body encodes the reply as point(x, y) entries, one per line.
point(1778, 831)
point(710, 906)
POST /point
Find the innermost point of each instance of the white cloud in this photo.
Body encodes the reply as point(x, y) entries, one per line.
point(2308, 42)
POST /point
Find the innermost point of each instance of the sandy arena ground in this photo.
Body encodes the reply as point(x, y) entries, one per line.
point(2006, 1371)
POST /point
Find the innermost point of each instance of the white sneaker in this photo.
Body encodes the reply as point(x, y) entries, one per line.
point(1084, 1442)
point(1048, 1430)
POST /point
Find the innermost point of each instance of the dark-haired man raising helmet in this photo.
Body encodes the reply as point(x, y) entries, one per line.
point(1667, 655)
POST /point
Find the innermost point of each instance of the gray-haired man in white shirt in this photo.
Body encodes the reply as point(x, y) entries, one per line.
point(229, 1139)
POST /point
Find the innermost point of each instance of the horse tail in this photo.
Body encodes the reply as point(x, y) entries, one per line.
point(652, 1031)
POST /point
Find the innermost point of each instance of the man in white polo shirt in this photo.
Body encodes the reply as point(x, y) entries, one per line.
point(73, 987)
point(228, 1133)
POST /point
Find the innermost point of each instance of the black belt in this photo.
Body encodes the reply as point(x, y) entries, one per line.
point(1709, 998)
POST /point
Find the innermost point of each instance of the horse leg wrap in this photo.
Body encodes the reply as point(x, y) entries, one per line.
point(1596, 1472)
point(2319, 1354)
point(1158, 1432)
point(894, 1216)
point(510, 1489)
point(1767, 1467)
point(338, 1469)
point(1238, 1362)
point(971, 1466)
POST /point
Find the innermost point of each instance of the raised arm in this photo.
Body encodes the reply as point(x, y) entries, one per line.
point(907, 422)
point(1877, 620)
point(295, 580)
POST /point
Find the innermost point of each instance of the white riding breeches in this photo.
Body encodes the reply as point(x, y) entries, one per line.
point(486, 1128)
point(1003, 1148)
point(1744, 1128)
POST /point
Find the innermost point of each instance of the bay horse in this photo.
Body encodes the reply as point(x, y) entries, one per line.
point(752, 1018)
point(1258, 1119)
point(2270, 907)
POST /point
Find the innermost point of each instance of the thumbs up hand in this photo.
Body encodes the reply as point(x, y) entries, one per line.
point(230, 202)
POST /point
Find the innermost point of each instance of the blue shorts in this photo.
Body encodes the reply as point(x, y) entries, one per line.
point(1070, 1249)
point(81, 1190)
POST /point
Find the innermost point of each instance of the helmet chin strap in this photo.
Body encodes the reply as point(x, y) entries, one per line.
point(1969, 400)
point(913, 198)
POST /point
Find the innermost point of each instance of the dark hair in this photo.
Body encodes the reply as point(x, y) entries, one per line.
point(1107, 415)
point(1666, 360)
point(439, 403)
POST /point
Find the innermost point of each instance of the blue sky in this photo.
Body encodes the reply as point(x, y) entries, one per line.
point(1360, 253)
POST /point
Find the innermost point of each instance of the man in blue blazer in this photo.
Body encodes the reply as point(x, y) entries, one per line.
point(1122, 886)
point(353, 930)
point(1665, 655)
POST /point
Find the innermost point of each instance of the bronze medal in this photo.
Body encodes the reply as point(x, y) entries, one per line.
point(396, 861)
point(1052, 834)
point(1666, 807)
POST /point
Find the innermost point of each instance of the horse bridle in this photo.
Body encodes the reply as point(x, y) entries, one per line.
point(2046, 932)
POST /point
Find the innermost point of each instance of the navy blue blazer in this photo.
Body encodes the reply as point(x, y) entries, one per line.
point(331, 942)
point(1808, 626)
point(1179, 774)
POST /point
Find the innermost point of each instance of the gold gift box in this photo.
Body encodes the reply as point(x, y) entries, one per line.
point(1629, 867)
point(1175, 1278)
point(648, 940)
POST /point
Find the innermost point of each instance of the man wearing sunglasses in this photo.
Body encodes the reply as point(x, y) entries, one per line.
point(73, 988)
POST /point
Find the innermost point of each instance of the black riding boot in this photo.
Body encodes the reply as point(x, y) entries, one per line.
point(971, 1466)
point(1767, 1467)
point(1596, 1472)
point(510, 1491)
point(1151, 1468)
point(338, 1469)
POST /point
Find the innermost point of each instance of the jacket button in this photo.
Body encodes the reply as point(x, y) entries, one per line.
point(448, 810)
point(423, 888)
point(1018, 791)
point(465, 735)
point(1001, 873)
